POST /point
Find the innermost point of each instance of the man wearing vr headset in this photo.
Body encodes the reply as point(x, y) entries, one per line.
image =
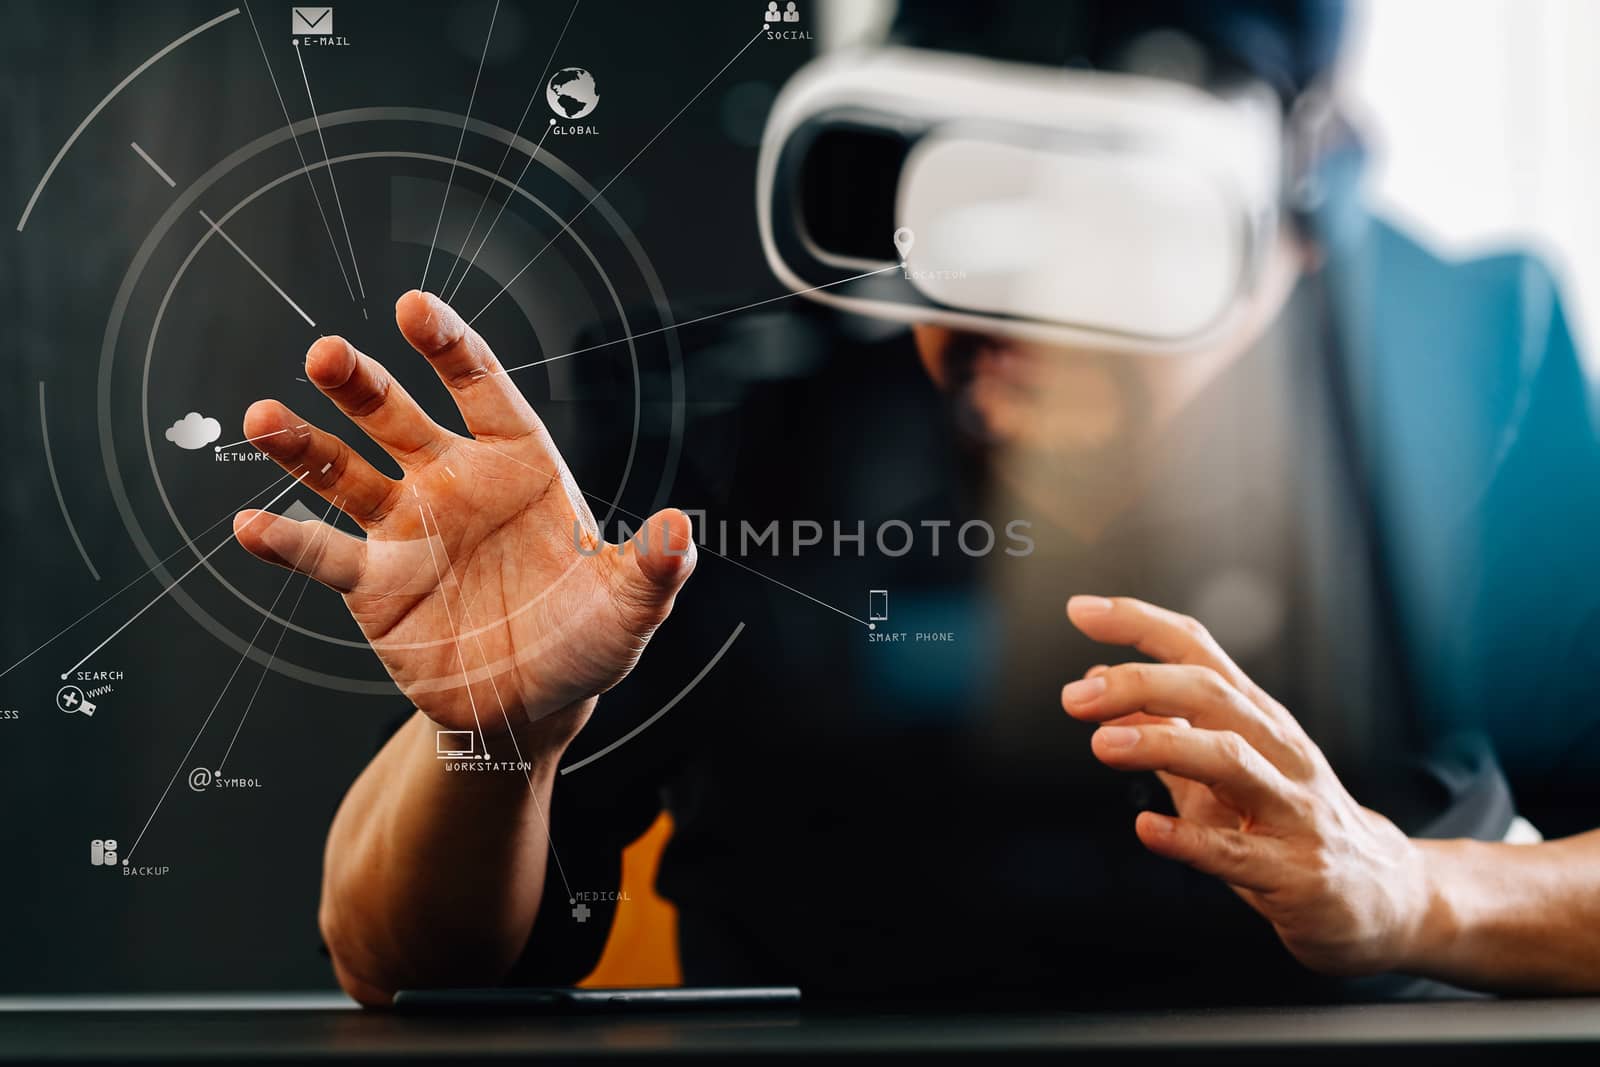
point(1325, 447)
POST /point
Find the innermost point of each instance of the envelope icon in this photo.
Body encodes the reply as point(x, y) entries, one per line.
point(317, 20)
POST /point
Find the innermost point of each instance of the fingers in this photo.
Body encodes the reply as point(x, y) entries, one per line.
point(652, 566)
point(374, 401)
point(310, 547)
point(1164, 635)
point(1248, 861)
point(327, 464)
point(488, 400)
point(1158, 633)
point(1198, 694)
point(665, 549)
point(1139, 718)
point(1236, 773)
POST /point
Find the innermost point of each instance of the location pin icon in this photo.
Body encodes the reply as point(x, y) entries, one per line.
point(903, 240)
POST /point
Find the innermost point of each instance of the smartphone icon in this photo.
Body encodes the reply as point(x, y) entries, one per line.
point(877, 605)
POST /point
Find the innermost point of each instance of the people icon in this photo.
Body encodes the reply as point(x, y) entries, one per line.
point(772, 12)
point(789, 13)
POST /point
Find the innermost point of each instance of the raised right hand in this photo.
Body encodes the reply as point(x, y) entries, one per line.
point(482, 583)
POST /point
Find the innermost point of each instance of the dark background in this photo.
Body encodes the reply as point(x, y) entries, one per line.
point(237, 909)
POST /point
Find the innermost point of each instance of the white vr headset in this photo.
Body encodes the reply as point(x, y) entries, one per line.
point(1116, 210)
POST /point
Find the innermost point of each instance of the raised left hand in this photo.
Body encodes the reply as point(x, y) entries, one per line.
point(1258, 804)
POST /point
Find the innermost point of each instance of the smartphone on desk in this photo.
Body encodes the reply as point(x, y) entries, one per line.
point(570, 1000)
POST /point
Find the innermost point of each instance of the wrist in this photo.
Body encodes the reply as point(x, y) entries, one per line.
point(544, 739)
point(540, 742)
point(1437, 928)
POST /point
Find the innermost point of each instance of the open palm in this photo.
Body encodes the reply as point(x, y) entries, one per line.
point(482, 583)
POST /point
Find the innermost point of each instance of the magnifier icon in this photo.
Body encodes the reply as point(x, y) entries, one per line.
point(70, 699)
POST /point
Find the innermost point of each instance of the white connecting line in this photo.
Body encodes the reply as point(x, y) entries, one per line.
point(305, 168)
point(337, 203)
point(140, 577)
point(614, 177)
point(228, 540)
point(742, 566)
point(702, 318)
point(273, 656)
point(467, 268)
point(510, 732)
point(533, 97)
point(184, 762)
point(455, 634)
point(263, 437)
point(465, 119)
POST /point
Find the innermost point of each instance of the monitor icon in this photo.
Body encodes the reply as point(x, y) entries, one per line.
point(453, 744)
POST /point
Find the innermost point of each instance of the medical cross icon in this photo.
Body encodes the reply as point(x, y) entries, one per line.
point(581, 912)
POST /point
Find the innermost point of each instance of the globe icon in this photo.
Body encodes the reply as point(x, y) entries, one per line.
point(571, 93)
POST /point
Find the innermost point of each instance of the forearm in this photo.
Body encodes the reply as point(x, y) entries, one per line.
point(1513, 917)
point(434, 877)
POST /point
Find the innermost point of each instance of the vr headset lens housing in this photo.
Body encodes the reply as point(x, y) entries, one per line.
point(1061, 205)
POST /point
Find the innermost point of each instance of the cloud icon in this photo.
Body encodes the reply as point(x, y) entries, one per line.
point(193, 431)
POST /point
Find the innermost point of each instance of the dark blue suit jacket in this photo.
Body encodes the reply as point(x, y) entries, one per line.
point(1476, 423)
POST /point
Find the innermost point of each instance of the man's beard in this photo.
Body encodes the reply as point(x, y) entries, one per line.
point(1043, 444)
